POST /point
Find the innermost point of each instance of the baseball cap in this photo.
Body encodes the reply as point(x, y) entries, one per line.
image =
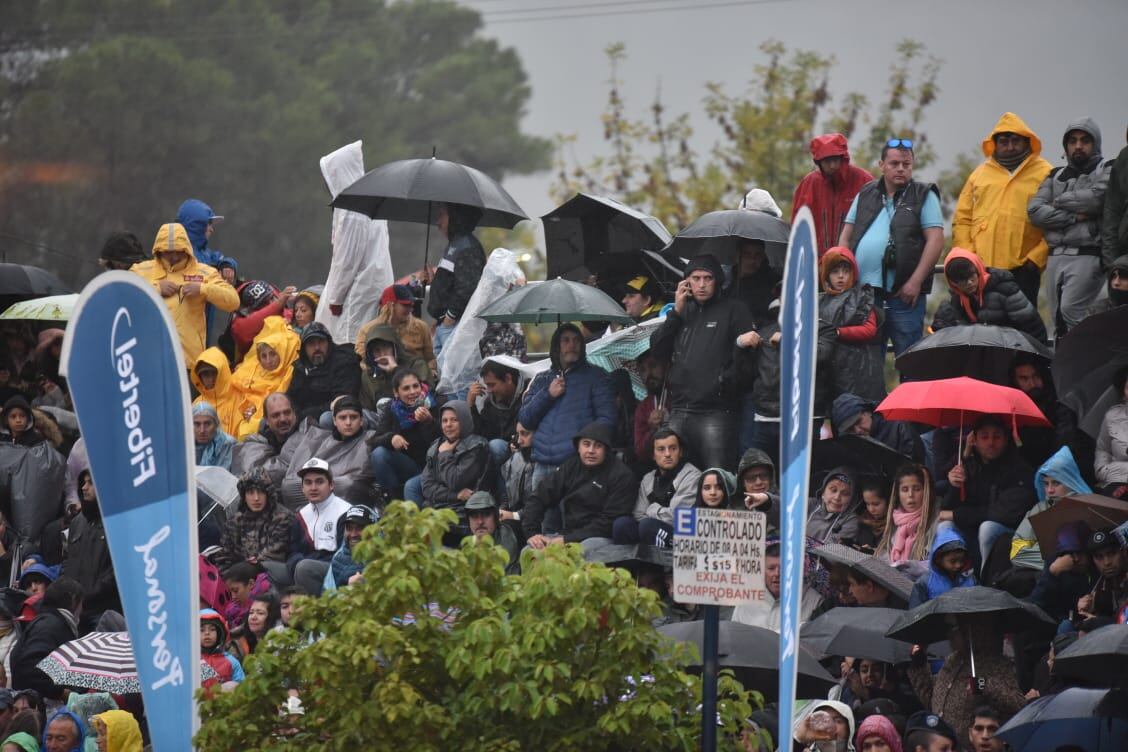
point(316, 329)
point(1099, 540)
point(480, 500)
point(347, 402)
point(361, 514)
point(315, 464)
point(398, 294)
point(923, 720)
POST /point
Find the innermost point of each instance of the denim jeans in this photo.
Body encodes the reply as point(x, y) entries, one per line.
point(442, 334)
point(391, 468)
point(989, 532)
point(711, 436)
point(413, 490)
point(903, 325)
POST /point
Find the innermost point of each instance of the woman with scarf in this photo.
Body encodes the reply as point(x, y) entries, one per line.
point(405, 428)
point(911, 517)
point(213, 444)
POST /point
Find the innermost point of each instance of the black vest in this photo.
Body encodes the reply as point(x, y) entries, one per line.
point(906, 240)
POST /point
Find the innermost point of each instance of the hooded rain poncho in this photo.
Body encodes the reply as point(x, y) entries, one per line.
point(1025, 551)
point(123, 734)
point(187, 312)
point(991, 219)
point(362, 264)
point(252, 383)
point(222, 397)
point(461, 358)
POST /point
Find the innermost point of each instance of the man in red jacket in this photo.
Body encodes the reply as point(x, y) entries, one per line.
point(830, 188)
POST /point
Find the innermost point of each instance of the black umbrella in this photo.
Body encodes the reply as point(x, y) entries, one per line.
point(585, 229)
point(1088, 719)
point(890, 578)
point(928, 622)
point(864, 455)
point(556, 300)
point(631, 555)
point(1100, 657)
point(407, 190)
point(721, 233)
point(19, 282)
point(857, 632)
point(981, 352)
point(1086, 360)
point(753, 654)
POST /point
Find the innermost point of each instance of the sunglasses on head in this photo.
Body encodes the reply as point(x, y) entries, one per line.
point(899, 143)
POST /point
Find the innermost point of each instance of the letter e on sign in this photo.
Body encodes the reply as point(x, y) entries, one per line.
point(685, 522)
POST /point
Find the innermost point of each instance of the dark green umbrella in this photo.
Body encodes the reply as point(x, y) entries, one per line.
point(556, 300)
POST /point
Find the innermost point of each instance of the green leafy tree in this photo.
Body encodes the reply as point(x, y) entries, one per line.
point(766, 130)
point(131, 106)
point(562, 657)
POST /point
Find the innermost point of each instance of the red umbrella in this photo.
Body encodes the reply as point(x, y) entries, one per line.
point(955, 402)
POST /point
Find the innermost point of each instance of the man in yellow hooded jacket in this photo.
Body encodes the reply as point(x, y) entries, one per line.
point(991, 219)
point(187, 286)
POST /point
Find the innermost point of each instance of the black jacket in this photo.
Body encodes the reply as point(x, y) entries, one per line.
point(1004, 304)
point(314, 387)
point(419, 436)
point(1001, 491)
point(466, 465)
point(43, 636)
point(706, 367)
point(88, 561)
point(494, 421)
point(591, 497)
point(457, 277)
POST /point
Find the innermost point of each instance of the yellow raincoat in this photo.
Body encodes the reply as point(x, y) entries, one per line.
point(223, 397)
point(252, 383)
point(187, 312)
point(122, 731)
point(991, 219)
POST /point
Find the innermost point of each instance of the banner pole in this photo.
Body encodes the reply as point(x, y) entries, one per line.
point(710, 640)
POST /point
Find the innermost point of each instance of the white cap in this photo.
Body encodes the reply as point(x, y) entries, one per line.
point(318, 464)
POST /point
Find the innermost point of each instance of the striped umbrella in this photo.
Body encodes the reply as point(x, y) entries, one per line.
point(102, 661)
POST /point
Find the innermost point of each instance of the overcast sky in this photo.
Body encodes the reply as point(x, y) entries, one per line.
point(1047, 60)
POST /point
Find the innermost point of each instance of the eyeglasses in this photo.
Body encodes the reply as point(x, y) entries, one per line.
point(899, 143)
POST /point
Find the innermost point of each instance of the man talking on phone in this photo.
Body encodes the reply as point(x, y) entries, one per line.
point(707, 340)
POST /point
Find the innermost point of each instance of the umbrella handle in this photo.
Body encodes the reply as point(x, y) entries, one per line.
point(959, 461)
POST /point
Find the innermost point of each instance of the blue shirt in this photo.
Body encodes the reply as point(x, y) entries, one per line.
point(871, 247)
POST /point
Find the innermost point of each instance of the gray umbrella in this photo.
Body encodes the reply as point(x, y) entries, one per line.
point(981, 352)
point(1088, 719)
point(556, 300)
point(753, 654)
point(721, 232)
point(408, 189)
point(898, 585)
point(585, 229)
point(929, 622)
point(1100, 657)
point(857, 632)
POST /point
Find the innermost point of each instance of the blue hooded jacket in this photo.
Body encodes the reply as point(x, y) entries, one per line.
point(1063, 468)
point(195, 215)
point(937, 582)
point(63, 712)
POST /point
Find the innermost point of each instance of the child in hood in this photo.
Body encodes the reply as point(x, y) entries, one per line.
point(833, 517)
point(871, 516)
point(213, 651)
point(949, 567)
point(985, 296)
point(850, 311)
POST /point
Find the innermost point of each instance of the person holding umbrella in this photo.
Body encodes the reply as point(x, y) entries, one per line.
point(457, 275)
point(990, 490)
point(975, 672)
